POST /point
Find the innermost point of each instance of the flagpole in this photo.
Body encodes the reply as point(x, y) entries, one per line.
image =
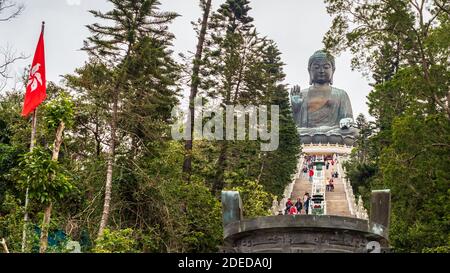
point(33, 140)
point(25, 217)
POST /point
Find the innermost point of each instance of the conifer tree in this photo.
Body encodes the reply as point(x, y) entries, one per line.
point(195, 82)
point(114, 43)
point(232, 42)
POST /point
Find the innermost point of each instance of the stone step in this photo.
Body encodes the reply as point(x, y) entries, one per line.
point(337, 205)
point(335, 209)
point(335, 196)
point(334, 193)
point(301, 186)
point(336, 200)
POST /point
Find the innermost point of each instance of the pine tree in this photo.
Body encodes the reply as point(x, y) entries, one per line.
point(279, 165)
point(129, 22)
point(227, 59)
point(195, 82)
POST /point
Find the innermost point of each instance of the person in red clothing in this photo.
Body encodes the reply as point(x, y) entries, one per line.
point(311, 174)
point(289, 204)
point(293, 210)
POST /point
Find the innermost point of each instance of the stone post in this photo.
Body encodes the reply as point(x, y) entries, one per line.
point(380, 211)
point(231, 207)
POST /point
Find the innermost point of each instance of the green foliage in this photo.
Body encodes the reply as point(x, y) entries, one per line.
point(44, 177)
point(9, 158)
point(405, 47)
point(189, 213)
point(242, 68)
point(361, 169)
point(415, 168)
point(131, 64)
point(439, 249)
point(131, 21)
point(203, 218)
point(279, 165)
point(166, 214)
point(60, 109)
point(117, 241)
point(14, 129)
point(255, 199)
point(11, 222)
point(360, 176)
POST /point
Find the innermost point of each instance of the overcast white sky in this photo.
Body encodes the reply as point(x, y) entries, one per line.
point(297, 26)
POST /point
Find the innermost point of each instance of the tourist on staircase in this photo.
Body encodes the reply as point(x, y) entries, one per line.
point(288, 206)
point(306, 200)
point(331, 185)
point(311, 174)
point(299, 205)
point(293, 210)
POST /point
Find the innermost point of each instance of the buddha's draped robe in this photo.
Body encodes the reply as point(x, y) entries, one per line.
point(337, 107)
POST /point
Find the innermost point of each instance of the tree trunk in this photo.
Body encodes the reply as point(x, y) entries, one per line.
point(187, 164)
point(261, 170)
point(44, 229)
point(112, 142)
point(98, 147)
point(48, 209)
point(58, 141)
point(109, 171)
point(25, 217)
point(218, 182)
point(5, 246)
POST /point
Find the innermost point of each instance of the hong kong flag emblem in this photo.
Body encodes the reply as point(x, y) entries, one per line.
point(36, 85)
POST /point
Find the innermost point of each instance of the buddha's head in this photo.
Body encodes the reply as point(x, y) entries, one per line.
point(321, 68)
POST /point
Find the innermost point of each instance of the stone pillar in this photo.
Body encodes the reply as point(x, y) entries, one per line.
point(231, 207)
point(380, 211)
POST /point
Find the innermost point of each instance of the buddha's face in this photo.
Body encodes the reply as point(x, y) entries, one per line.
point(321, 71)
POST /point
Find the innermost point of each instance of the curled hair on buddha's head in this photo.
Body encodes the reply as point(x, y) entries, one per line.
point(321, 55)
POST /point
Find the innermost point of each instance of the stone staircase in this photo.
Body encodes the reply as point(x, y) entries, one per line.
point(301, 186)
point(337, 200)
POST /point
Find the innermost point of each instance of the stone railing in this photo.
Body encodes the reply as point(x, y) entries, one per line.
point(327, 144)
point(327, 148)
point(361, 211)
point(305, 233)
point(279, 207)
point(318, 188)
point(356, 207)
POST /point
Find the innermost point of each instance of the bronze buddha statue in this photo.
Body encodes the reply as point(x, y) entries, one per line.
point(323, 113)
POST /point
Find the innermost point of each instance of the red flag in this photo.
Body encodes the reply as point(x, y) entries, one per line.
point(36, 86)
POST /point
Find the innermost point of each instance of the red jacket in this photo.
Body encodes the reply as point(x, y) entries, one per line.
point(293, 210)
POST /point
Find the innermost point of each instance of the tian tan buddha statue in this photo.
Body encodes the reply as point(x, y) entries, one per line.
point(323, 113)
